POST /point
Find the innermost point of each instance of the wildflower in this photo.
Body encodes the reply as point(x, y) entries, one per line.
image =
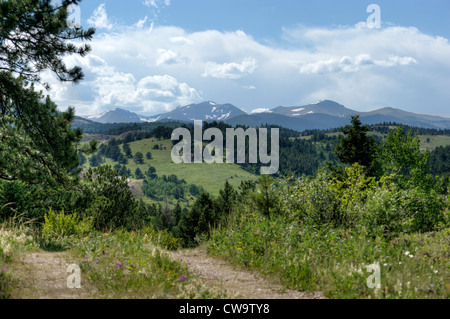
point(239, 249)
point(105, 253)
point(406, 253)
point(182, 278)
point(96, 261)
point(119, 264)
point(106, 234)
point(4, 269)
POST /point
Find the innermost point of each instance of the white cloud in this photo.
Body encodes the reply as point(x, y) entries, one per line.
point(140, 24)
point(166, 66)
point(353, 64)
point(168, 57)
point(150, 3)
point(231, 70)
point(157, 4)
point(100, 18)
point(261, 110)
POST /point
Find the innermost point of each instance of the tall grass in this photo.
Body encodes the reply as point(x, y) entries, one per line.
point(16, 235)
point(125, 264)
point(335, 260)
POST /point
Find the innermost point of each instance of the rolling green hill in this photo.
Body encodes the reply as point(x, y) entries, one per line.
point(211, 177)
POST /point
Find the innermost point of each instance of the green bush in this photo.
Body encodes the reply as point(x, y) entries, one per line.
point(61, 225)
point(311, 198)
point(394, 211)
point(354, 200)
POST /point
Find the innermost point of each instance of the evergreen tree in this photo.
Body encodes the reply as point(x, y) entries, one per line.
point(114, 204)
point(139, 158)
point(127, 150)
point(226, 200)
point(177, 213)
point(122, 159)
point(198, 220)
point(37, 142)
point(138, 174)
point(151, 172)
point(357, 147)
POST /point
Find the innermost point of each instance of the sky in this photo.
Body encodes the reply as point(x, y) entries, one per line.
point(151, 56)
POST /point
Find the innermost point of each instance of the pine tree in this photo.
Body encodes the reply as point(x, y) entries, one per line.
point(37, 142)
point(127, 150)
point(226, 200)
point(357, 147)
point(138, 174)
point(177, 212)
point(139, 158)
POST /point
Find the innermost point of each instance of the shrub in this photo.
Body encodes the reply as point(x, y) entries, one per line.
point(312, 199)
point(394, 211)
point(65, 225)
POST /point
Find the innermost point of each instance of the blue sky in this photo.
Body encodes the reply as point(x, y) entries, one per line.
point(150, 56)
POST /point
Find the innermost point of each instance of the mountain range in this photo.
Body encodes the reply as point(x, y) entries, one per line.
point(325, 114)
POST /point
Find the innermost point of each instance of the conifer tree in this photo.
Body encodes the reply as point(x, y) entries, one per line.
point(37, 143)
point(357, 147)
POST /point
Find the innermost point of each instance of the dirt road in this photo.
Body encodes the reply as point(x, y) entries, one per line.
point(239, 283)
point(43, 275)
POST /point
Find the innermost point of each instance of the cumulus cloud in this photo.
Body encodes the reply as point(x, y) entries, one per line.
point(168, 57)
point(100, 18)
point(231, 70)
point(159, 68)
point(261, 110)
point(352, 64)
point(165, 92)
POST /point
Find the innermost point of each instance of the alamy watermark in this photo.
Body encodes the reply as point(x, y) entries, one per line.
point(214, 151)
point(74, 279)
point(374, 20)
point(374, 280)
point(74, 16)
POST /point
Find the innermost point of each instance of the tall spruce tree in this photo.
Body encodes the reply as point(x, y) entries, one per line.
point(357, 147)
point(37, 144)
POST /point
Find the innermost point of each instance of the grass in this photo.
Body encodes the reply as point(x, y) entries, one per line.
point(211, 177)
point(335, 260)
point(118, 265)
point(136, 265)
point(16, 236)
point(434, 141)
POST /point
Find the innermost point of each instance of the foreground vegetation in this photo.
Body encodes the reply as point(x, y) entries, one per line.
point(120, 264)
point(324, 237)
